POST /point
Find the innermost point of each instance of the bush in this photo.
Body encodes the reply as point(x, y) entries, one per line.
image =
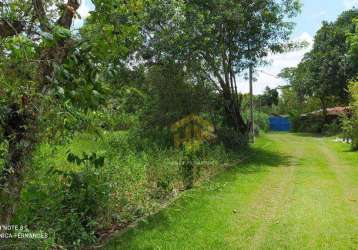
point(350, 131)
point(333, 128)
point(307, 124)
point(78, 198)
point(3, 152)
point(261, 121)
point(353, 89)
point(355, 136)
point(98, 182)
point(113, 120)
point(231, 138)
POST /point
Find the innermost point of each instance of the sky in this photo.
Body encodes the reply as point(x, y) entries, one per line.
point(313, 13)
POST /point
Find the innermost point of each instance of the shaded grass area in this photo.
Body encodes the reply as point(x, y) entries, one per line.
point(291, 192)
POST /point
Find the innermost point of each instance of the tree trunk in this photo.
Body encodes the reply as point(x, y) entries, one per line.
point(21, 124)
point(20, 130)
point(233, 115)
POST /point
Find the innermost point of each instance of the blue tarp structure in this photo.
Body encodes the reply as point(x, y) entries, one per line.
point(279, 123)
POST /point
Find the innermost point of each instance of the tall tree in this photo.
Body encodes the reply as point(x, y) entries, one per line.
point(25, 22)
point(219, 39)
point(325, 71)
point(42, 61)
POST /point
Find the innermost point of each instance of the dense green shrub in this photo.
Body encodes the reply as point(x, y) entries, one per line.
point(231, 138)
point(2, 154)
point(355, 135)
point(312, 123)
point(85, 196)
point(77, 196)
point(96, 182)
point(353, 88)
point(333, 128)
point(350, 131)
point(261, 121)
point(307, 124)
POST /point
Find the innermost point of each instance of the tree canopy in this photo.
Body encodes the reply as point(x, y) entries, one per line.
point(325, 71)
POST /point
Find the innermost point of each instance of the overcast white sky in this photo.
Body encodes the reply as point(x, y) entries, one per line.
point(309, 21)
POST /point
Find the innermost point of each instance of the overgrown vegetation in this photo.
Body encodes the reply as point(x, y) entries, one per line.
point(105, 123)
point(351, 123)
point(90, 194)
point(86, 115)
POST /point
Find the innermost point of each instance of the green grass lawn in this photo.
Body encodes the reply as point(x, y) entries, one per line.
point(292, 192)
